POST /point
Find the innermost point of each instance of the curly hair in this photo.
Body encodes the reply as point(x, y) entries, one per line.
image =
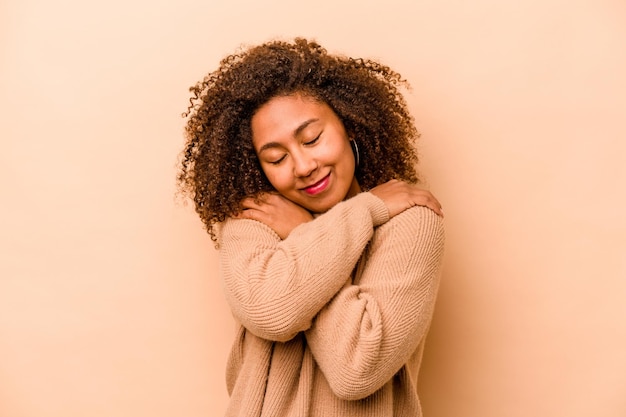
point(219, 166)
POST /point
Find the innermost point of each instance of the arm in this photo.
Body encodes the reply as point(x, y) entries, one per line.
point(372, 327)
point(276, 287)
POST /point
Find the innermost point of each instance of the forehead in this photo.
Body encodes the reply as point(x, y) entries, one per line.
point(282, 116)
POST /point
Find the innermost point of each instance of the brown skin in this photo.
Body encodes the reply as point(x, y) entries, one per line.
point(304, 151)
point(302, 144)
point(277, 212)
point(283, 215)
point(219, 167)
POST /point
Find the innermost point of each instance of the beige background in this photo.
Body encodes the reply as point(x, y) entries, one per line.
point(110, 302)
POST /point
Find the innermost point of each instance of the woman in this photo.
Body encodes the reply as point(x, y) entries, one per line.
point(302, 167)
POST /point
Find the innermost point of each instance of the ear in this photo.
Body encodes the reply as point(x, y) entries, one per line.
point(355, 151)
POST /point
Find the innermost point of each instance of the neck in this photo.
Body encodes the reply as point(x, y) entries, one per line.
point(354, 189)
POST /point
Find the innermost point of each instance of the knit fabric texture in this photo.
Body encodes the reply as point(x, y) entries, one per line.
point(332, 320)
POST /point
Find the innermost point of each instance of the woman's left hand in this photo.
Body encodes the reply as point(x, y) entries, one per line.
point(276, 211)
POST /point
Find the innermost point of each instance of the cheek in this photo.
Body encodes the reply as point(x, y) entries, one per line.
point(345, 153)
point(336, 151)
point(276, 177)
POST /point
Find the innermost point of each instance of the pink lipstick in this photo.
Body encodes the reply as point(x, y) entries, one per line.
point(318, 187)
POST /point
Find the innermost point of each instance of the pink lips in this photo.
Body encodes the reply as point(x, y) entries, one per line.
point(318, 187)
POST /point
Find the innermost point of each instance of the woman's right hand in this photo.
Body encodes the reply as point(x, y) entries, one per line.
point(276, 211)
point(399, 196)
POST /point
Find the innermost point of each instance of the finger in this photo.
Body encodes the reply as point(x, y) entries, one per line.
point(432, 204)
point(260, 199)
point(252, 214)
point(242, 214)
point(250, 203)
point(438, 209)
point(271, 198)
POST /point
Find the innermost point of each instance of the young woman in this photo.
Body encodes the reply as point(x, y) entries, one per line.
point(302, 167)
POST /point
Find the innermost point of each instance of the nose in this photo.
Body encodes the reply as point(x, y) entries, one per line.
point(303, 164)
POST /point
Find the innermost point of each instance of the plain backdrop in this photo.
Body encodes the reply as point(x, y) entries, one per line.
point(110, 299)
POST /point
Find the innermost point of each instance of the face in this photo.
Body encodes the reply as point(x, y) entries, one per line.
point(304, 151)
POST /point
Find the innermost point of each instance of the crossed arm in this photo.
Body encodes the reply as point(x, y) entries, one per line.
point(281, 279)
point(370, 329)
point(276, 287)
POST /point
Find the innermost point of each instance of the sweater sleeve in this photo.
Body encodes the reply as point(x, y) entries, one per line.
point(371, 327)
point(276, 287)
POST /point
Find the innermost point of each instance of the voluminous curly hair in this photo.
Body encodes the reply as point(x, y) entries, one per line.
point(219, 166)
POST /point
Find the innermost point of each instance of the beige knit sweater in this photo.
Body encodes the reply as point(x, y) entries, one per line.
point(333, 318)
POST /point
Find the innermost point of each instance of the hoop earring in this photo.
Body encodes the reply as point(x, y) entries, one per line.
point(355, 151)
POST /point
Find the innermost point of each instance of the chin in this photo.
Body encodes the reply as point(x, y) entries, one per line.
point(322, 208)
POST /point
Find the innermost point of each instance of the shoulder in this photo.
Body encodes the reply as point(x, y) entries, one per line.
point(415, 227)
point(417, 217)
point(241, 231)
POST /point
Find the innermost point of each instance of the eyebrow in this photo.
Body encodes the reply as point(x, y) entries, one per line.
point(296, 132)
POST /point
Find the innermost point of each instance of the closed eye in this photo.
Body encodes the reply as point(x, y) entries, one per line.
point(278, 161)
point(313, 141)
